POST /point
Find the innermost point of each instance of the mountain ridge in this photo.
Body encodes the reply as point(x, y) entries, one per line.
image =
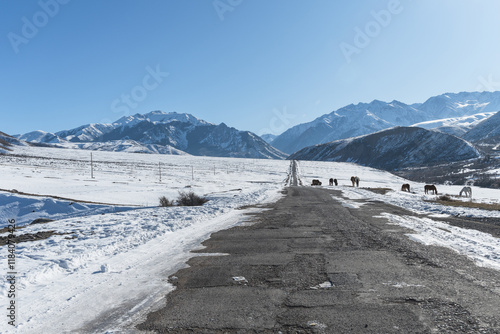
point(392, 149)
point(363, 118)
point(160, 132)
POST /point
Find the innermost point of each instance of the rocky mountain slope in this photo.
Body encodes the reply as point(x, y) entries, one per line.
point(393, 149)
point(7, 143)
point(159, 132)
point(487, 129)
point(457, 126)
point(486, 135)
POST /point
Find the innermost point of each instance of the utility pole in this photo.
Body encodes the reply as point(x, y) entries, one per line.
point(91, 166)
point(159, 170)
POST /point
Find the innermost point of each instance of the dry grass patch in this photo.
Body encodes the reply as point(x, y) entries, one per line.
point(449, 201)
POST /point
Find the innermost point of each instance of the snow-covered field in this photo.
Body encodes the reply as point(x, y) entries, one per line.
point(109, 262)
point(116, 257)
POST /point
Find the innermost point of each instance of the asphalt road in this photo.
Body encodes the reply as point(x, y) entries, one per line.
point(310, 265)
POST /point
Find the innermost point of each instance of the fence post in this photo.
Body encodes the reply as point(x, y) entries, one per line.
point(91, 166)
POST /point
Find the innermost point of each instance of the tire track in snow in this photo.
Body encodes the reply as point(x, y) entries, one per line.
point(293, 177)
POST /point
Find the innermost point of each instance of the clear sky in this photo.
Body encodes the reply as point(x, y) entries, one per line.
point(258, 65)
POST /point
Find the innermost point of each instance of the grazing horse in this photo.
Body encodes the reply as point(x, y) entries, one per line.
point(355, 181)
point(335, 181)
point(331, 182)
point(316, 182)
point(405, 187)
point(467, 191)
point(430, 187)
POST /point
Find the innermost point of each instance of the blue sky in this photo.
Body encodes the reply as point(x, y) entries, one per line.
point(256, 65)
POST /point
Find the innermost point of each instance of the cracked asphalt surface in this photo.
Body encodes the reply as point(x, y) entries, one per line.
point(307, 264)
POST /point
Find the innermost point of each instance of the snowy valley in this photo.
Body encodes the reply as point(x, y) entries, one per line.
point(95, 249)
point(110, 248)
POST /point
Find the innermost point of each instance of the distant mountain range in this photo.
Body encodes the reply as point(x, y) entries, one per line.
point(392, 149)
point(159, 132)
point(365, 118)
point(471, 116)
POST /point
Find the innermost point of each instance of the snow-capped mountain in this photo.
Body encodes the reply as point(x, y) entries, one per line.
point(457, 126)
point(40, 136)
point(451, 105)
point(364, 118)
point(393, 149)
point(487, 130)
point(350, 121)
point(159, 132)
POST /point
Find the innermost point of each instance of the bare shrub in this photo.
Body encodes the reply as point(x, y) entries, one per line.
point(444, 198)
point(190, 199)
point(165, 201)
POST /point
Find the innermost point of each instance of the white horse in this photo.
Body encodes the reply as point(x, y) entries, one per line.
point(467, 191)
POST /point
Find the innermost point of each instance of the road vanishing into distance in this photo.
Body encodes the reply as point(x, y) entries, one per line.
point(308, 264)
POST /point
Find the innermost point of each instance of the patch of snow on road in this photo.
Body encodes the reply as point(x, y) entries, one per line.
point(348, 203)
point(483, 248)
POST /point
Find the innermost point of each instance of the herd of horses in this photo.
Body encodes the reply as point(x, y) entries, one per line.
point(428, 188)
point(354, 180)
point(332, 181)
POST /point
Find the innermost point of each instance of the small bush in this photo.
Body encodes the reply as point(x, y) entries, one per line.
point(445, 198)
point(190, 199)
point(165, 201)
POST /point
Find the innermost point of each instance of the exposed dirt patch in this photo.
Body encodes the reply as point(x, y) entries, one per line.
point(381, 191)
point(30, 237)
point(451, 202)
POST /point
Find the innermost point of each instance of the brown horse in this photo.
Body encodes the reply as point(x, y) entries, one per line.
point(355, 181)
point(430, 188)
point(405, 187)
point(331, 182)
point(336, 182)
point(316, 182)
